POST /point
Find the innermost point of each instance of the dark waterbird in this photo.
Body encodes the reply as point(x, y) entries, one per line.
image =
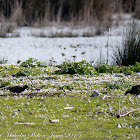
point(134, 90)
point(17, 89)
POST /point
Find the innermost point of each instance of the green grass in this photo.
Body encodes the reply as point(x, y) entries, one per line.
point(89, 119)
point(129, 53)
point(86, 120)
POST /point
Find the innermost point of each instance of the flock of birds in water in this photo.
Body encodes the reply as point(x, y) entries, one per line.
point(18, 89)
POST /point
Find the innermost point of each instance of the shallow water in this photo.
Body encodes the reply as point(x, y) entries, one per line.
point(57, 50)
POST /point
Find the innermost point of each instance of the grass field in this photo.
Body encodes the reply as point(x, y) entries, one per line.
point(66, 99)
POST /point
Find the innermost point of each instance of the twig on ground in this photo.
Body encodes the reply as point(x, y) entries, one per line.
point(119, 116)
point(18, 123)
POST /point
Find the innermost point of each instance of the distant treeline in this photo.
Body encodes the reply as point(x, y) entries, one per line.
point(31, 11)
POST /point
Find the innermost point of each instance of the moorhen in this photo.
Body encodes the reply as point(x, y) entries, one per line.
point(134, 90)
point(17, 89)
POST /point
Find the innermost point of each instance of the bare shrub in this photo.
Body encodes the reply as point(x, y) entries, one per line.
point(44, 12)
point(39, 34)
point(18, 16)
point(63, 34)
point(58, 11)
point(137, 12)
point(7, 28)
point(55, 34)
